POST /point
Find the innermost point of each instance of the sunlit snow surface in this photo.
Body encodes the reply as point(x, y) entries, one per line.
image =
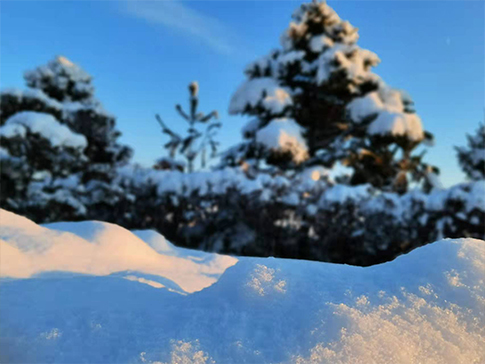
point(96, 293)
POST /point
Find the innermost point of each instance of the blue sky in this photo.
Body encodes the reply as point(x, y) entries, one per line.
point(143, 55)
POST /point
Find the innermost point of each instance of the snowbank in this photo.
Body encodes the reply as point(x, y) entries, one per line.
point(99, 249)
point(131, 303)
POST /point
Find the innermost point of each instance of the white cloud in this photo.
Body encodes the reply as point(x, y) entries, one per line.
point(175, 15)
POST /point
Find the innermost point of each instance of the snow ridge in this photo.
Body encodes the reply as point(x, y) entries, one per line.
point(426, 306)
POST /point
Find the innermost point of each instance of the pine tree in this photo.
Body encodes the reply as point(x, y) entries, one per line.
point(62, 93)
point(196, 142)
point(316, 101)
point(472, 157)
point(38, 151)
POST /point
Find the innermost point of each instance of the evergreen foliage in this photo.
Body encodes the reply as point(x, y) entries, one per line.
point(316, 101)
point(472, 157)
point(59, 146)
point(196, 142)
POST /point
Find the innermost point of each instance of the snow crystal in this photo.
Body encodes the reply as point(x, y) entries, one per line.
point(51, 335)
point(263, 280)
point(187, 352)
point(45, 125)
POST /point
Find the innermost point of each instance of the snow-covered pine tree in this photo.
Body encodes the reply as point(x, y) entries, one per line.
point(316, 101)
point(196, 142)
point(472, 157)
point(37, 155)
point(64, 91)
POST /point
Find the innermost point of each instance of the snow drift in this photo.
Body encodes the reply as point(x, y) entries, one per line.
point(95, 292)
point(99, 249)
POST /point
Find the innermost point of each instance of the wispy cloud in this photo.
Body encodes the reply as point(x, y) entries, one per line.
point(176, 15)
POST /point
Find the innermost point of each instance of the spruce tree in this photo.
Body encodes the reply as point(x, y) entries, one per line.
point(316, 101)
point(196, 142)
point(472, 157)
point(37, 151)
point(64, 92)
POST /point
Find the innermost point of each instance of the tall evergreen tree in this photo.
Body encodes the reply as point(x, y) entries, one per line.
point(62, 93)
point(472, 157)
point(316, 101)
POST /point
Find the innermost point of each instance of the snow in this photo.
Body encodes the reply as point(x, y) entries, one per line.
point(95, 248)
point(69, 108)
point(261, 65)
point(434, 180)
point(311, 181)
point(46, 126)
point(284, 135)
point(476, 198)
point(12, 130)
point(477, 156)
point(335, 45)
point(397, 124)
point(31, 94)
point(313, 174)
point(351, 59)
point(387, 105)
point(251, 127)
point(342, 194)
point(4, 154)
point(290, 57)
point(201, 183)
point(471, 195)
point(318, 43)
point(61, 72)
point(262, 90)
point(424, 307)
point(68, 191)
point(363, 107)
